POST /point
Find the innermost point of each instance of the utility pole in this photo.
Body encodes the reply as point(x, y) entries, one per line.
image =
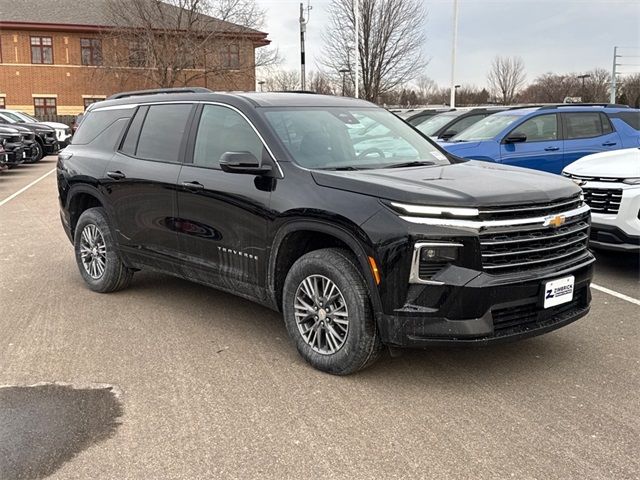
point(303, 29)
point(357, 35)
point(612, 99)
point(452, 100)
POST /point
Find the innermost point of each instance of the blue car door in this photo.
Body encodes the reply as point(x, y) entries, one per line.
point(586, 133)
point(535, 143)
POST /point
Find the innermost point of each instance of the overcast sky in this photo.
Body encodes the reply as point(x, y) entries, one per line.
point(549, 35)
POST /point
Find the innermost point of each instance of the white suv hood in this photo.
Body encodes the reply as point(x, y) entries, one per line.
point(617, 164)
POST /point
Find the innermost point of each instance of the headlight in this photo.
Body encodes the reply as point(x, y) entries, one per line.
point(632, 181)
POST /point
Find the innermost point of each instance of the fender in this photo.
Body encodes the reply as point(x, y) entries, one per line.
point(95, 192)
point(340, 233)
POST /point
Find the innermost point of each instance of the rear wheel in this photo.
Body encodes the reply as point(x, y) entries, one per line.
point(37, 153)
point(97, 255)
point(328, 314)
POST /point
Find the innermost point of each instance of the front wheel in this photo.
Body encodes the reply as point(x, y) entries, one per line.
point(97, 255)
point(327, 312)
point(37, 153)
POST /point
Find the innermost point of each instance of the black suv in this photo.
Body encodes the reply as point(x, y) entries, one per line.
point(332, 210)
point(445, 125)
point(43, 135)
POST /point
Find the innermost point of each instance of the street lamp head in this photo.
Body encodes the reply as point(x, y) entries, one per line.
point(586, 75)
point(457, 86)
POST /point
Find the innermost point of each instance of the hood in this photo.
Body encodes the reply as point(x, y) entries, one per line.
point(470, 184)
point(458, 148)
point(56, 125)
point(9, 130)
point(20, 128)
point(35, 127)
point(617, 164)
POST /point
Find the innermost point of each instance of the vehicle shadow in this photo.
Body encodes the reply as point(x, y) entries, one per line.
point(450, 365)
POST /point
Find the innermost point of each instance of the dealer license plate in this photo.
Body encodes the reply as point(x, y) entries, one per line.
point(557, 292)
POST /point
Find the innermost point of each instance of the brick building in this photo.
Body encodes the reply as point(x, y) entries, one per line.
point(58, 56)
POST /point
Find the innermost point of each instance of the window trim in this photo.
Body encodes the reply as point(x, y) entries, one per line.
point(559, 126)
point(55, 106)
point(92, 49)
point(200, 102)
point(227, 55)
point(565, 129)
point(41, 47)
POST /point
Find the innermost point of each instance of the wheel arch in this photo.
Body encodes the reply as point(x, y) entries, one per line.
point(282, 256)
point(79, 199)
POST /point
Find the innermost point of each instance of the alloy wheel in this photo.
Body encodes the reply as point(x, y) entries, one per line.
point(93, 251)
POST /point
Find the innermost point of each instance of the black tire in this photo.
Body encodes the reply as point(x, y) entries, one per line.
point(116, 275)
point(362, 344)
point(38, 154)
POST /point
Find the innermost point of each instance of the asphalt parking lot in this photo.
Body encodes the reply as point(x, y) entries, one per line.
point(174, 380)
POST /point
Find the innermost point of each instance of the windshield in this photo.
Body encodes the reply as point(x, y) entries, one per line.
point(13, 116)
point(341, 138)
point(9, 119)
point(486, 128)
point(432, 125)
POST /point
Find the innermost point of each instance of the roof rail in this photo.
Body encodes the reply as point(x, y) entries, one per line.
point(294, 91)
point(137, 93)
point(606, 105)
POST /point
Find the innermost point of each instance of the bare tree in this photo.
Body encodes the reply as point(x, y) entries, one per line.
point(506, 78)
point(176, 43)
point(630, 90)
point(551, 88)
point(282, 80)
point(596, 86)
point(319, 82)
point(390, 46)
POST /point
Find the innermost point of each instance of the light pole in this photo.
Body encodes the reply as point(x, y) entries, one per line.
point(582, 77)
point(303, 29)
point(261, 83)
point(357, 32)
point(452, 101)
point(344, 72)
point(453, 96)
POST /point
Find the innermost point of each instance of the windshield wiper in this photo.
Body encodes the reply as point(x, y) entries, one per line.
point(415, 163)
point(349, 168)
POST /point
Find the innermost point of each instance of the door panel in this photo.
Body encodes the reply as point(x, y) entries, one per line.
point(543, 149)
point(222, 217)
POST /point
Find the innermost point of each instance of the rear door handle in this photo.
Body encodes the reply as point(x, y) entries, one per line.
point(193, 186)
point(117, 175)
point(609, 144)
point(551, 149)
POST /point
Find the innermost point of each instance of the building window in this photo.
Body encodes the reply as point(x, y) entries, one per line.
point(136, 54)
point(44, 106)
point(89, 101)
point(231, 56)
point(2, 104)
point(91, 51)
point(41, 50)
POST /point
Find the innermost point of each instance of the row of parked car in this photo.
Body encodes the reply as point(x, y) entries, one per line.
point(25, 139)
point(597, 145)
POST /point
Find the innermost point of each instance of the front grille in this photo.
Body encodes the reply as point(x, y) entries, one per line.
point(603, 200)
point(536, 247)
point(529, 210)
point(592, 179)
point(530, 315)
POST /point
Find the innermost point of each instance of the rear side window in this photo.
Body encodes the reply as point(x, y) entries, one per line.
point(97, 123)
point(630, 118)
point(162, 132)
point(583, 125)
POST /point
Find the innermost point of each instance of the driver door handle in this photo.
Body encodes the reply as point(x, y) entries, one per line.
point(193, 186)
point(117, 175)
point(551, 149)
point(608, 144)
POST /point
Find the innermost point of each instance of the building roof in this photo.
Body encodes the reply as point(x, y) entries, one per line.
point(99, 14)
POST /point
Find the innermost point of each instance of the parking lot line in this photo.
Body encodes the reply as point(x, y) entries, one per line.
point(23, 189)
point(616, 294)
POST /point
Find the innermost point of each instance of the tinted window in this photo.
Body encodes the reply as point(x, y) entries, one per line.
point(583, 125)
point(223, 130)
point(131, 140)
point(487, 128)
point(630, 118)
point(96, 123)
point(435, 123)
point(162, 132)
point(606, 124)
point(540, 128)
point(465, 123)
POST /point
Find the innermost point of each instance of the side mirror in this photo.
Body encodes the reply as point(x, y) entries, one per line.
point(242, 162)
point(448, 134)
point(515, 137)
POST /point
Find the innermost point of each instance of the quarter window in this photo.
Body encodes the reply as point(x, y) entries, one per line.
point(223, 130)
point(91, 51)
point(540, 128)
point(44, 106)
point(583, 125)
point(162, 132)
point(42, 50)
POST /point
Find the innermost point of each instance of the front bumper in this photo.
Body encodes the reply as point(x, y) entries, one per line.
point(50, 145)
point(618, 231)
point(487, 309)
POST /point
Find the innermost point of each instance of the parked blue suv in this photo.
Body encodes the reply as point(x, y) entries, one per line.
point(548, 137)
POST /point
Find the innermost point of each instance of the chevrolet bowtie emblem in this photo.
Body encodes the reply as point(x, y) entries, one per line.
point(554, 221)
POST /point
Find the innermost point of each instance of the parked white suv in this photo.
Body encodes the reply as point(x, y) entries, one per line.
point(63, 132)
point(611, 185)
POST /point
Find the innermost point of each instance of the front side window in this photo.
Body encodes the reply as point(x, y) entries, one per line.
point(540, 128)
point(231, 56)
point(583, 125)
point(486, 128)
point(223, 130)
point(430, 126)
point(342, 138)
point(162, 132)
point(42, 50)
point(91, 51)
point(44, 106)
